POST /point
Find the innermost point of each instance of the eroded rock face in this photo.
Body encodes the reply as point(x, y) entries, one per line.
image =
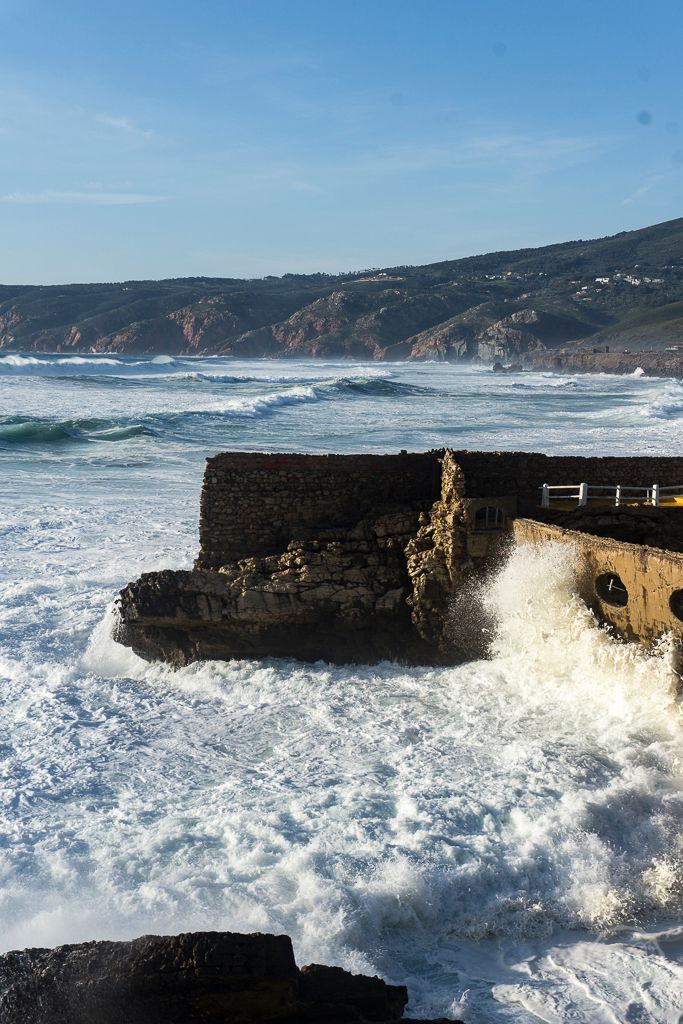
point(342, 596)
point(194, 978)
point(347, 559)
point(566, 360)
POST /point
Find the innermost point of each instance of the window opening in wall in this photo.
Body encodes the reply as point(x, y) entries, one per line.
point(489, 518)
point(610, 589)
point(676, 604)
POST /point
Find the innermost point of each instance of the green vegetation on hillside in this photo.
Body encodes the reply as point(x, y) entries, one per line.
point(626, 289)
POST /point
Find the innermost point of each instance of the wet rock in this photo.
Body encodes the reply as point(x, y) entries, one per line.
point(331, 990)
point(193, 978)
point(182, 979)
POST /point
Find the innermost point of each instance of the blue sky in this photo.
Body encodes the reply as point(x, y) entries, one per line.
point(164, 139)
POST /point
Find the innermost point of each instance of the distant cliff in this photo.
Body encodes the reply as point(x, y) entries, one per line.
point(567, 360)
point(626, 290)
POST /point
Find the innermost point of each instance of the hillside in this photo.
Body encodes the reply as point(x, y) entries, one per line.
point(625, 290)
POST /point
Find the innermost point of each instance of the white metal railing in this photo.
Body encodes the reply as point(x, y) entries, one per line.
point(617, 494)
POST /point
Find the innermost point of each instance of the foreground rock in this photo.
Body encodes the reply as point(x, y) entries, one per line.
point(194, 978)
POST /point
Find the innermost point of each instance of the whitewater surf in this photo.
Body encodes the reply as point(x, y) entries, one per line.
point(504, 837)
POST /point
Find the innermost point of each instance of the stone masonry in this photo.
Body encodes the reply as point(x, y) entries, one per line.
point(357, 558)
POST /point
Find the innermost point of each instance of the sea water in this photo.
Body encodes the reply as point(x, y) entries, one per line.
point(505, 837)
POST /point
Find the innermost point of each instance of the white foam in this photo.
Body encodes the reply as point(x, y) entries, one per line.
point(32, 363)
point(508, 829)
point(667, 404)
point(262, 405)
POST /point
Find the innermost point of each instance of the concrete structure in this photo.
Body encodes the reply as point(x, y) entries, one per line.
point(360, 557)
point(634, 588)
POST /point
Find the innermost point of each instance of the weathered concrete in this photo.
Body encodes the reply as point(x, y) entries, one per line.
point(651, 577)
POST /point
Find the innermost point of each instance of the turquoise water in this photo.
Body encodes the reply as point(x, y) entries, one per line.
point(505, 836)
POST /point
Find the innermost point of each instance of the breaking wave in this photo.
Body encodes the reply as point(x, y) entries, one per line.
point(668, 405)
point(505, 798)
point(18, 431)
point(257, 406)
point(69, 365)
point(378, 387)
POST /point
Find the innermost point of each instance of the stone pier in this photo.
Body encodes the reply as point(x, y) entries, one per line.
point(358, 558)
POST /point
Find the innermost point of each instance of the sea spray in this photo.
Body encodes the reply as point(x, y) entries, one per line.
point(543, 630)
point(538, 789)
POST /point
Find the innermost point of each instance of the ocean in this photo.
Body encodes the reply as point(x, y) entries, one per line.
point(505, 837)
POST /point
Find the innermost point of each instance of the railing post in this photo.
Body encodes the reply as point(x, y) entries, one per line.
point(617, 496)
point(583, 494)
point(655, 495)
point(545, 496)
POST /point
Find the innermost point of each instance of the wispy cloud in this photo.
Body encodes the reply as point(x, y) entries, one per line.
point(643, 189)
point(124, 124)
point(530, 153)
point(504, 157)
point(50, 197)
point(305, 186)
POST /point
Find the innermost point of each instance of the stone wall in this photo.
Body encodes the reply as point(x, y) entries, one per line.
point(488, 474)
point(651, 576)
point(253, 504)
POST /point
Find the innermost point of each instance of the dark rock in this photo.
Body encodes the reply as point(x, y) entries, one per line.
point(338, 990)
point(579, 360)
point(194, 978)
point(512, 368)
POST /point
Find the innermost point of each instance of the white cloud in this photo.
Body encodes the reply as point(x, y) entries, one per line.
point(305, 186)
point(124, 124)
point(50, 197)
point(533, 154)
point(643, 190)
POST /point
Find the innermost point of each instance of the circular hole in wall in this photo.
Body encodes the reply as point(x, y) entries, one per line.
point(676, 604)
point(610, 589)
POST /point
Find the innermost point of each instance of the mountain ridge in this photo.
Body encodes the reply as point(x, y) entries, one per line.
point(622, 289)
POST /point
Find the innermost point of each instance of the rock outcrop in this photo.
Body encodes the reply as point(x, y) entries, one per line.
point(579, 360)
point(193, 978)
point(488, 332)
point(341, 597)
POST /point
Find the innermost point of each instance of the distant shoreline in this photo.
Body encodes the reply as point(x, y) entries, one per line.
point(653, 364)
point(562, 360)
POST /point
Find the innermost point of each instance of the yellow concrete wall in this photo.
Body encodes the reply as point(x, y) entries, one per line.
point(649, 574)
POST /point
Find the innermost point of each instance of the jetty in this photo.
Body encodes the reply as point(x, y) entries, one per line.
point(358, 558)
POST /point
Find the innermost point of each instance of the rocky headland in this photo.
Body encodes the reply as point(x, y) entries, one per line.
point(580, 360)
point(625, 291)
point(192, 978)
